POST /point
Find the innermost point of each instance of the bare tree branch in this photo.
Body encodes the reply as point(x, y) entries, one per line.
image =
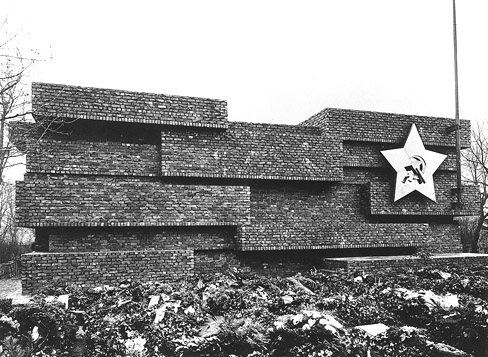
point(475, 171)
point(15, 109)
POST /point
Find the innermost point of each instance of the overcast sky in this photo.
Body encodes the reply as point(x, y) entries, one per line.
point(273, 61)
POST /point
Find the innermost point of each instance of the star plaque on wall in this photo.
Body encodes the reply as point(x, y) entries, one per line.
point(414, 166)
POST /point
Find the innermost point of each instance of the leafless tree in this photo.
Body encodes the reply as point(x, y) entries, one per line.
point(475, 171)
point(15, 108)
point(14, 93)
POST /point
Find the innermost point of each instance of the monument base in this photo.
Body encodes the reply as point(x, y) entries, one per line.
point(373, 264)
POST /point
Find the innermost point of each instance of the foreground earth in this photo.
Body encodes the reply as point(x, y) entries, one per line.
point(319, 313)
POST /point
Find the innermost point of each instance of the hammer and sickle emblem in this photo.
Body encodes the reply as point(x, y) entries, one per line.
point(415, 170)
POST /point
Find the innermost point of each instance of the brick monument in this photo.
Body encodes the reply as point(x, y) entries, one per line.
point(148, 186)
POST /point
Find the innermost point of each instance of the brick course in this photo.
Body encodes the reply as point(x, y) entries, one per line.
point(335, 236)
point(222, 261)
point(444, 238)
point(361, 154)
point(365, 126)
point(143, 238)
point(98, 268)
point(250, 150)
point(82, 103)
point(290, 216)
point(85, 157)
point(380, 195)
point(54, 200)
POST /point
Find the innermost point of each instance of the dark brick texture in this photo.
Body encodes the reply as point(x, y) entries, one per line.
point(98, 268)
point(252, 151)
point(71, 102)
point(103, 149)
point(381, 203)
point(306, 217)
point(366, 154)
point(45, 201)
point(222, 261)
point(76, 239)
point(363, 126)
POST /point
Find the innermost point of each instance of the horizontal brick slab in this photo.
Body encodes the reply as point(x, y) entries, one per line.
point(324, 235)
point(367, 126)
point(101, 201)
point(84, 157)
point(373, 264)
point(252, 151)
point(73, 102)
point(92, 239)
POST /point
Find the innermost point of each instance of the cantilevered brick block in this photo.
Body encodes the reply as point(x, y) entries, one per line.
point(252, 151)
point(58, 201)
point(81, 103)
point(365, 126)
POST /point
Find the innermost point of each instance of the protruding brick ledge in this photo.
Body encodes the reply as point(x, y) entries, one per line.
point(330, 178)
point(253, 247)
point(74, 201)
point(87, 103)
point(379, 127)
point(154, 223)
point(273, 235)
point(372, 264)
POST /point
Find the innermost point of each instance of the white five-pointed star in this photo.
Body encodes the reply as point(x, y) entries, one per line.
point(414, 166)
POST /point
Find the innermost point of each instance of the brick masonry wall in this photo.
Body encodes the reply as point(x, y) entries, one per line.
point(222, 261)
point(62, 101)
point(97, 150)
point(101, 201)
point(379, 192)
point(287, 263)
point(144, 238)
point(361, 154)
point(444, 238)
point(364, 126)
point(337, 236)
point(95, 269)
point(270, 189)
point(364, 175)
point(249, 150)
point(287, 216)
point(381, 199)
point(365, 134)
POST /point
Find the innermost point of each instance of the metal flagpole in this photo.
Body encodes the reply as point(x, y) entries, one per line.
point(456, 95)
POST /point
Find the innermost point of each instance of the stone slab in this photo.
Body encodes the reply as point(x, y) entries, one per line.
point(396, 262)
